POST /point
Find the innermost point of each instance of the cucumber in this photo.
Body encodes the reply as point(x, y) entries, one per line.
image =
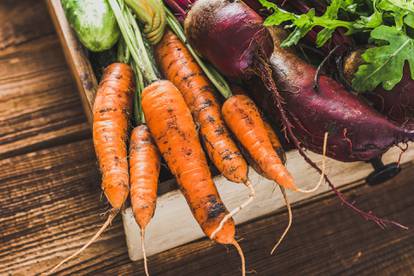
point(93, 22)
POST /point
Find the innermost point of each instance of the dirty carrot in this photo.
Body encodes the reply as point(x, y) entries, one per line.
point(144, 169)
point(244, 119)
point(144, 158)
point(281, 153)
point(175, 134)
point(111, 116)
point(144, 164)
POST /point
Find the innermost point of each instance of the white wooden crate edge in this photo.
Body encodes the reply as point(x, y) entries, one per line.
point(173, 224)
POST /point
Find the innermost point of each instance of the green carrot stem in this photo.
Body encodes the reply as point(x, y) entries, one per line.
point(123, 54)
point(133, 39)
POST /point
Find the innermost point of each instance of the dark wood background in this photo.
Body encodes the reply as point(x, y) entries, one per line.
point(50, 201)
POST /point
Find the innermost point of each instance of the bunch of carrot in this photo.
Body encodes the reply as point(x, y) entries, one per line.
point(166, 114)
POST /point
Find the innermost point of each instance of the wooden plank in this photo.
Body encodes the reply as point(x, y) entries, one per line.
point(75, 56)
point(50, 205)
point(38, 103)
point(164, 233)
point(23, 22)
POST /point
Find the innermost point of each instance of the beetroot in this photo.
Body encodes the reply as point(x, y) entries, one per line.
point(397, 104)
point(235, 54)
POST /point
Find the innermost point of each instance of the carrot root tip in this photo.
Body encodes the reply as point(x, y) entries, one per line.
point(322, 177)
point(107, 223)
point(289, 222)
point(252, 195)
point(242, 258)
point(144, 254)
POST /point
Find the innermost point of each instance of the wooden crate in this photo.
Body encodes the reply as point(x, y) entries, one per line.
point(173, 224)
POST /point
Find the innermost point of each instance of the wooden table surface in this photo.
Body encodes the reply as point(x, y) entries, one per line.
point(51, 203)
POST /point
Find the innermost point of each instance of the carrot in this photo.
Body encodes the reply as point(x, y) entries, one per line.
point(144, 163)
point(178, 66)
point(111, 116)
point(274, 139)
point(244, 119)
point(277, 147)
point(174, 132)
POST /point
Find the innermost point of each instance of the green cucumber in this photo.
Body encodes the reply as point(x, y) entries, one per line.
point(93, 22)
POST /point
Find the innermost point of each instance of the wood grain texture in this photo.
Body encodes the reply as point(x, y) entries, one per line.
point(38, 108)
point(50, 197)
point(21, 23)
point(51, 204)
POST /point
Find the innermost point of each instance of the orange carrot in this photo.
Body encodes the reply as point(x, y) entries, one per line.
point(178, 66)
point(175, 134)
point(244, 119)
point(144, 163)
point(274, 139)
point(111, 116)
point(277, 147)
point(278, 151)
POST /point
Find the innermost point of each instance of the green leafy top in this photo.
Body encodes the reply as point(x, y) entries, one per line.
point(389, 22)
point(384, 64)
point(303, 23)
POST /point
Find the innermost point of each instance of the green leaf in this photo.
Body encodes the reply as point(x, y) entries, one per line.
point(384, 64)
point(295, 36)
point(409, 20)
point(400, 10)
point(324, 36)
point(303, 23)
